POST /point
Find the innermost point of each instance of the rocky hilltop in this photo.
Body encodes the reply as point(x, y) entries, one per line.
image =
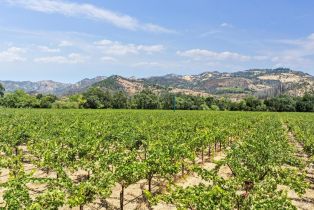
point(258, 82)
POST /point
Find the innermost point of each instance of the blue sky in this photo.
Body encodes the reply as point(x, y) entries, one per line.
point(67, 40)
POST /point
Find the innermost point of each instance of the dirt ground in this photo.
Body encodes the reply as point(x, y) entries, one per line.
point(306, 201)
point(133, 193)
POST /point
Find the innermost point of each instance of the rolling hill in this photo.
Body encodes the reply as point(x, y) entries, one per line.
point(258, 82)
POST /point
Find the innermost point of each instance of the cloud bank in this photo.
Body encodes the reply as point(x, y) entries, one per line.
point(88, 11)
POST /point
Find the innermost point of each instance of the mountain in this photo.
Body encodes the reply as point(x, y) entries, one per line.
point(258, 82)
point(48, 86)
point(132, 86)
point(81, 86)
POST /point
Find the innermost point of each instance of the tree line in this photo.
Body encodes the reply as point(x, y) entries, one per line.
point(96, 98)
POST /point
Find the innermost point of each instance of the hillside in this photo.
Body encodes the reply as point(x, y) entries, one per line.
point(48, 86)
point(258, 82)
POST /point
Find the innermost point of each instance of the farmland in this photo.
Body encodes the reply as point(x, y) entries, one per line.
point(137, 159)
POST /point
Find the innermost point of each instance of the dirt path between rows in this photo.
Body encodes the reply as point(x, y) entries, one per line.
point(133, 193)
point(306, 201)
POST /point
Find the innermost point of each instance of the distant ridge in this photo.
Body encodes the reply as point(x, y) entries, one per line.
point(258, 82)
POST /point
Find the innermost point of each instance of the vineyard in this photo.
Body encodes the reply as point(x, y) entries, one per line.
point(106, 159)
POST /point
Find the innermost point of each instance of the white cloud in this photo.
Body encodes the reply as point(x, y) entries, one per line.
point(12, 54)
point(306, 43)
point(150, 48)
point(148, 65)
point(73, 58)
point(226, 25)
point(104, 42)
point(291, 61)
point(48, 50)
point(156, 28)
point(117, 48)
point(294, 53)
point(65, 43)
point(198, 54)
point(88, 11)
point(209, 33)
point(108, 59)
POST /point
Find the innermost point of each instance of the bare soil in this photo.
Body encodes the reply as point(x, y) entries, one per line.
point(133, 193)
point(306, 201)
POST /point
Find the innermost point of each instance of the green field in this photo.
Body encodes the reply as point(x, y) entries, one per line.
point(133, 159)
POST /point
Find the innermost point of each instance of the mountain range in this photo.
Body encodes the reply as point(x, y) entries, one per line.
point(258, 82)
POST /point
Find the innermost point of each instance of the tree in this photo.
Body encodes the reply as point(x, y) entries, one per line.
point(210, 101)
point(224, 104)
point(107, 100)
point(97, 98)
point(185, 102)
point(2, 89)
point(305, 104)
point(146, 99)
point(252, 103)
point(77, 98)
point(281, 104)
point(20, 99)
point(47, 101)
point(199, 102)
point(39, 96)
point(167, 100)
point(119, 100)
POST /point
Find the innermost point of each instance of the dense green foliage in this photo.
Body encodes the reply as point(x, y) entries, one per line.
point(110, 147)
point(303, 126)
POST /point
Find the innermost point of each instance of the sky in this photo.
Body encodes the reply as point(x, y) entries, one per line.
point(68, 40)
